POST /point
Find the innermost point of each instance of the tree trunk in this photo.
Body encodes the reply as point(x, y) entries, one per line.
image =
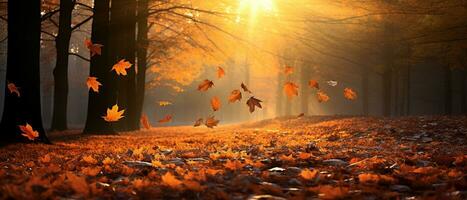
point(447, 90)
point(122, 46)
point(23, 70)
point(463, 92)
point(142, 47)
point(408, 88)
point(62, 44)
point(100, 68)
point(304, 78)
point(387, 87)
point(365, 90)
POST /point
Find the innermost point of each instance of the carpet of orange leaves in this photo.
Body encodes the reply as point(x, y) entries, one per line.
point(286, 158)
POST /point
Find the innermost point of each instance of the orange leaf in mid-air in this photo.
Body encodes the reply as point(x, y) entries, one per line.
point(170, 180)
point(121, 67)
point(164, 103)
point(252, 102)
point(13, 89)
point(322, 97)
point(28, 132)
point(93, 84)
point(95, 49)
point(113, 114)
point(291, 89)
point(220, 72)
point(350, 94)
point(166, 119)
point(211, 122)
point(145, 121)
point(301, 115)
point(205, 85)
point(313, 84)
point(245, 88)
point(288, 70)
point(235, 95)
point(215, 103)
point(198, 122)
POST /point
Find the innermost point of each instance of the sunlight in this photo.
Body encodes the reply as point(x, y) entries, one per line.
point(256, 6)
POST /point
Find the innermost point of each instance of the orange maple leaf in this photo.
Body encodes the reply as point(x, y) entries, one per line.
point(235, 95)
point(211, 122)
point(113, 114)
point(215, 103)
point(205, 85)
point(121, 67)
point(13, 89)
point(220, 72)
point(350, 94)
point(28, 132)
point(170, 180)
point(291, 89)
point(166, 119)
point(322, 97)
point(313, 84)
point(93, 84)
point(95, 49)
point(288, 70)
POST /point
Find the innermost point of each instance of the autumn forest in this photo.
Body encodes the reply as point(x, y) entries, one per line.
point(233, 99)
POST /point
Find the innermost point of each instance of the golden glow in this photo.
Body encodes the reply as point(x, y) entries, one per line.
point(256, 6)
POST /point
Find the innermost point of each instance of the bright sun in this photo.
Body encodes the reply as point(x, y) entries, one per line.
point(256, 5)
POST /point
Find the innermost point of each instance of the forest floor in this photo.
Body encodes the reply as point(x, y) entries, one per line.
point(287, 158)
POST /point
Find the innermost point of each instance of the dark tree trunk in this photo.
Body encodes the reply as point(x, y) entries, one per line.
point(408, 88)
point(304, 78)
point(62, 44)
point(24, 26)
point(387, 92)
point(447, 90)
point(122, 46)
point(365, 90)
point(463, 92)
point(100, 68)
point(142, 47)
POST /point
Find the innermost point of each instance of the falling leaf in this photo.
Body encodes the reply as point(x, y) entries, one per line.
point(166, 119)
point(235, 95)
point(245, 88)
point(313, 84)
point(211, 122)
point(198, 122)
point(308, 174)
point(28, 132)
point(252, 102)
point(13, 89)
point(350, 94)
point(322, 97)
point(215, 103)
point(113, 114)
point(93, 84)
point(332, 83)
point(288, 70)
point(145, 121)
point(121, 67)
point(170, 180)
point(301, 115)
point(95, 49)
point(205, 85)
point(291, 89)
point(220, 72)
point(164, 103)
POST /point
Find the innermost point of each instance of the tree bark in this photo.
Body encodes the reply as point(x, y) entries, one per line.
point(100, 68)
point(60, 73)
point(142, 47)
point(23, 70)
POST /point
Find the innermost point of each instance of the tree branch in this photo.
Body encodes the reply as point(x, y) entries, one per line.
point(81, 23)
point(79, 56)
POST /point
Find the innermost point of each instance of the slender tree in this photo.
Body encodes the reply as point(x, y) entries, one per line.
point(24, 26)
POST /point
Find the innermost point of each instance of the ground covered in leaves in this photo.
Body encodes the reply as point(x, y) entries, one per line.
point(287, 158)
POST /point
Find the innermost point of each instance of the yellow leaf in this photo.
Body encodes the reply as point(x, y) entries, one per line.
point(113, 114)
point(215, 103)
point(28, 132)
point(164, 103)
point(93, 84)
point(13, 89)
point(121, 67)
